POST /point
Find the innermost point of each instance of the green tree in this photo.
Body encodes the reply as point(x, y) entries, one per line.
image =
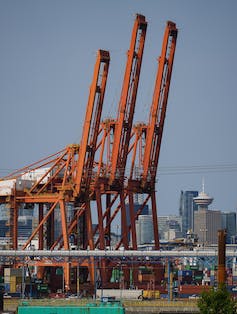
point(217, 301)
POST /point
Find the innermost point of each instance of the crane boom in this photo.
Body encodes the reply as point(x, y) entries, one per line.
point(127, 101)
point(92, 122)
point(159, 105)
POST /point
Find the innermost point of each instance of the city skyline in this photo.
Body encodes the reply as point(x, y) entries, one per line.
point(47, 59)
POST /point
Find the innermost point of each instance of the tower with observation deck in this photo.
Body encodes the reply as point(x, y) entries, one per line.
point(206, 222)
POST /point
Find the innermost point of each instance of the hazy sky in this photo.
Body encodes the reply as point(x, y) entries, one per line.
point(47, 56)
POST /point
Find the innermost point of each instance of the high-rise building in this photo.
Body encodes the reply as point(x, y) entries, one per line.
point(168, 223)
point(144, 229)
point(186, 209)
point(206, 226)
point(228, 221)
point(206, 222)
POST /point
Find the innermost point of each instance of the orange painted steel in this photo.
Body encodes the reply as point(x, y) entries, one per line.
point(74, 175)
point(67, 173)
point(114, 144)
point(92, 123)
point(91, 128)
point(127, 101)
point(159, 105)
point(147, 139)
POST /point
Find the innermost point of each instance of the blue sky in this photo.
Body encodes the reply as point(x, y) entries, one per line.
point(47, 55)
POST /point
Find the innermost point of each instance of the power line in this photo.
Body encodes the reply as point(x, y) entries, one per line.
point(178, 170)
point(196, 169)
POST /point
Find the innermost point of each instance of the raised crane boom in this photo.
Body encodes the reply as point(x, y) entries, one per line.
point(158, 107)
point(127, 102)
point(92, 123)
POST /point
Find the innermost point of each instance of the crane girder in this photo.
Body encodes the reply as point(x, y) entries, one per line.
point(92, 123)
point(159, 105)
point(127, 101)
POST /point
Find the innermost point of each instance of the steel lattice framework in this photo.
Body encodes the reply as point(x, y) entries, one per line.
point(94, 171)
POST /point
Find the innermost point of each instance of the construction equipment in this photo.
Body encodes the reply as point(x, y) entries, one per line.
point(88, 180)
point(148, 137)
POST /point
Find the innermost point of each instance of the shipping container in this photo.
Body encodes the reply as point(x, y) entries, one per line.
point(194, 267)
point(6, 187)
point(102, 308)
point(185, 273)
point(119, 293)
point(192, 289)
point(7, 287)
point(150, 294)
point(12, 272)
point(13, 286)
point(37, 174)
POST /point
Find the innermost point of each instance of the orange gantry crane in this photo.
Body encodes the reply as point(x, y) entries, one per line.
point(116, 156)
point(148, 137)
point(65, 184)
point(123, 125)
point(66, 179)
point(113, 175)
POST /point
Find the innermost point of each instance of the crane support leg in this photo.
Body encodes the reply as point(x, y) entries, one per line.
point(108, 216)
point(41, 235)
point(100, 221)
point(15, 223)
point(124, 231)
point(155, 220)
point(64, 224)
point(66, 270)
point(89, 226)
point(132, 221)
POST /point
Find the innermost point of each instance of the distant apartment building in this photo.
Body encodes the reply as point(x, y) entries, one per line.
point(186, 210)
